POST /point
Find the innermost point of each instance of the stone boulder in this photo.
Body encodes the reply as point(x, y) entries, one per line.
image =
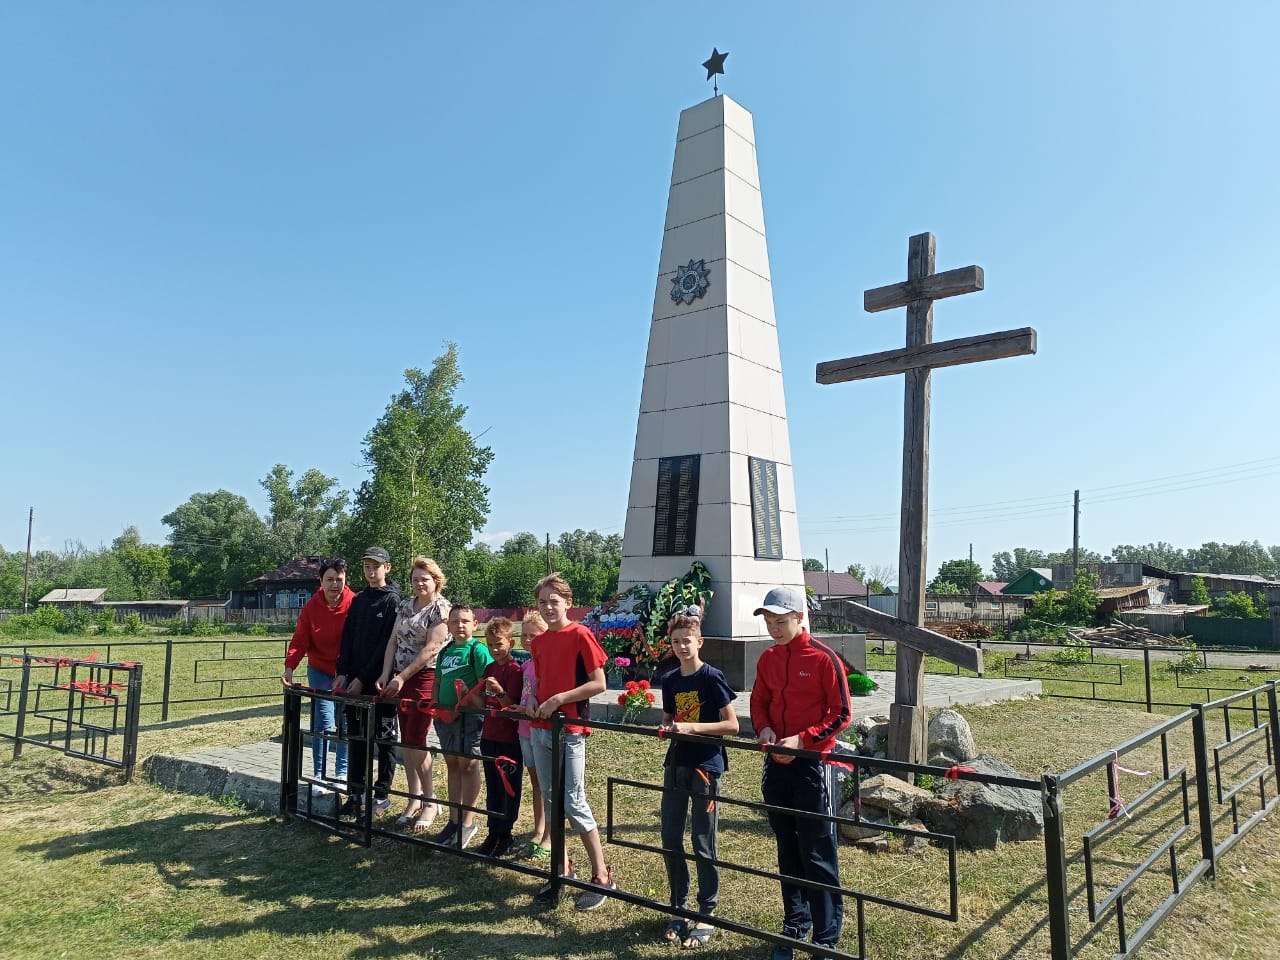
point(898, 797)
point(981, 816)
point(950, 739)
point(874, 735)
point(871, 827)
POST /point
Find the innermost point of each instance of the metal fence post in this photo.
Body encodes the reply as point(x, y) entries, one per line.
point(290, 754)
point(1146, 671)
point(1204, 801)
point(21, 727)
point(168, 672)
point(131, 714)
point(1274, 717)
point(557, 803)
point(1055, 864)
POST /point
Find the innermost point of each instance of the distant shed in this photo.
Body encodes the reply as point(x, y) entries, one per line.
point(73, 597)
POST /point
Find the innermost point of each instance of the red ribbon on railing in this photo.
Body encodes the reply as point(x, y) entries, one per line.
point(64, 661)
point(96, 689)
point(506, 766)
point(953, 773)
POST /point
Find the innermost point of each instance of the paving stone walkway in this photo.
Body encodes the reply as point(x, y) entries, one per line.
point(250, 773)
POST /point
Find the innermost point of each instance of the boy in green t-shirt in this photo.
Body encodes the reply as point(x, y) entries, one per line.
point(462, 659)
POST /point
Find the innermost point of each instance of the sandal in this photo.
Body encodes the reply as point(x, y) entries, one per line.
point(696, 937)
point(410, 815)
point(536, 853)
point(426, 816)
point(677, 930)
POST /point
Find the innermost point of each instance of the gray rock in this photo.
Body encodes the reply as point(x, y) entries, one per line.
point(875, 741)
point(950, 739)
point(980, 816)
point(866, 724)
point(887, 792)
point(871, 826)
point(912, 844)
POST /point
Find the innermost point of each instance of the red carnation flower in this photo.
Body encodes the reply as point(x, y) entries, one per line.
point(622, 699)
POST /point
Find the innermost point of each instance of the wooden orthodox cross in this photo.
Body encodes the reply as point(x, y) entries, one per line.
point(908, 727)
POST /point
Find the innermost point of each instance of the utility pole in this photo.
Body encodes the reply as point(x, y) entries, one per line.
point(1075, 538)
point(26, 567)
point(826, 565)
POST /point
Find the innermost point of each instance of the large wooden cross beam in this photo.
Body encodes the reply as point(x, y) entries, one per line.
point(908, 730)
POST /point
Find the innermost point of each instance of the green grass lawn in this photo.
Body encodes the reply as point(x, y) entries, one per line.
point(88, 866)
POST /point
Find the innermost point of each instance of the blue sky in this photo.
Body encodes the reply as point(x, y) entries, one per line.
point(228, 229)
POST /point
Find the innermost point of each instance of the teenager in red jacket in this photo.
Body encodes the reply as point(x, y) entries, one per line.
point(800, 699)
point(317, 637)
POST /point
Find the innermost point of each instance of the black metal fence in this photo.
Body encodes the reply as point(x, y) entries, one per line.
point(183, 670)
point(1116, 873)
point(1147, 677)
point(83, 708)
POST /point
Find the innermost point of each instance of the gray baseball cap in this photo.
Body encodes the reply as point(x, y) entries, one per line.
point(782, 600)
point(377, 553)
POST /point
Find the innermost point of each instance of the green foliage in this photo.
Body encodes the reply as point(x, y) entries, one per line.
point(145, 564)
point(217, 543)
point(1163, 555)
point(49, 617)
point(810, 564)
point(1077, 606)
point(200, 627)
point(956, 576)
point(1240, 606)
point(132, 624)
point(1199, 593)
point(425, 493)
point(857, 571)
point(105, 622)
point(76, 619)
point(1006, 565)
point(1073, 650)
point(304, 516)
point(514, 577)
point(1189, 662)
point(651, 647)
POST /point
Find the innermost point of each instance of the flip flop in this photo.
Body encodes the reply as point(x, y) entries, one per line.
point(677, 930)
point(696, 937)
point(425, 818)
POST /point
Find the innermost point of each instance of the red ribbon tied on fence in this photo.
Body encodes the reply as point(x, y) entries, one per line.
point(1117, 803)
point(953, 773)
point(506, 766)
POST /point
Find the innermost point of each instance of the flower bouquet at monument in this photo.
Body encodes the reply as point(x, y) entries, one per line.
point(650, 648)
point(616, 621)
point(635, 700)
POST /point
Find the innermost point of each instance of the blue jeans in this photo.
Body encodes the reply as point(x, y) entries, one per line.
point(323, 716)
point(686, 787)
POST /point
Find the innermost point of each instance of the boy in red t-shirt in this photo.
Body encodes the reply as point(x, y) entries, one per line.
point(500, 739)
point(569, 663)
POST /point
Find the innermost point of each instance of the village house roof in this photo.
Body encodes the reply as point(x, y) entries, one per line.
point(74, 595)
point(832, 584)
point(297, 570)
point(991, 587)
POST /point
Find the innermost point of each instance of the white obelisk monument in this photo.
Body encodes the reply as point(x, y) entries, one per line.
point(712, 477)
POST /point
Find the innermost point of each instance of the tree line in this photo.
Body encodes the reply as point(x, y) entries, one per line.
point(424, 494)
point(959, 576)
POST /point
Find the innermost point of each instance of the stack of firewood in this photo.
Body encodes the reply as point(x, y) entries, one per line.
point(1123, 635)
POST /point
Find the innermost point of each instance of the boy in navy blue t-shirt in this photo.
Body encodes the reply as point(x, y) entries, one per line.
point(696, 699)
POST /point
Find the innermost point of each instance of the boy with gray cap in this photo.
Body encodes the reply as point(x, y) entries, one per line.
point(800, 700)
point(370, 619)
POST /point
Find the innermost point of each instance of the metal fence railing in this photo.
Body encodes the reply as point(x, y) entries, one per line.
point(179, 670)
point(86, 709)
point(1117, 872)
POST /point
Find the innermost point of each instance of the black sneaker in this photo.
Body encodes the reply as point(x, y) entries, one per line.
point(503, 847)
point(487, 845)
point(591, 899)
point(548, 894)
point(446, 835)
point(352, 808)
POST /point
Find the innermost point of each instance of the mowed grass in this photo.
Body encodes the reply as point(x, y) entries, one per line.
point(89, 866)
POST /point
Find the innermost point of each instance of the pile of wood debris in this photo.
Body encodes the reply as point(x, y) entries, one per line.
point(1124, 635)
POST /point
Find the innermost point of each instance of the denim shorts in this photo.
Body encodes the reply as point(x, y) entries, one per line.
point(526, 752)
point(462, 736)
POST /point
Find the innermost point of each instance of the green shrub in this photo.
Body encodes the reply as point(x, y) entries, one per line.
point(76, 619)
point(205, 628)
point(104, 621)
point(49, 617)
point(132, 624)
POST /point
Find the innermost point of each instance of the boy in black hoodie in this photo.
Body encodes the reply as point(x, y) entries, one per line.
point(364, 643)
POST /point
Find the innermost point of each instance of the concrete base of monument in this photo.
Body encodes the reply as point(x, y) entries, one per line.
point(736, 656)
